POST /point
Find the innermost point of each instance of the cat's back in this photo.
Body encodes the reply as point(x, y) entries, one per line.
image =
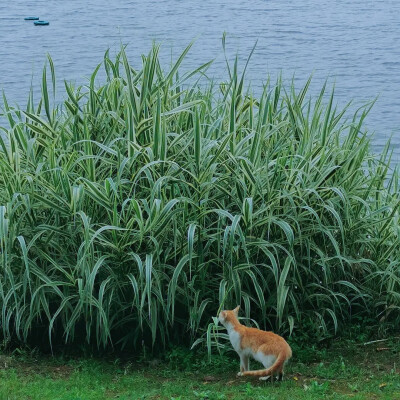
point(255, 338)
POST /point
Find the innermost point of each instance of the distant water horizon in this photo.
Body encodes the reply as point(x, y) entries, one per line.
point(353, 44)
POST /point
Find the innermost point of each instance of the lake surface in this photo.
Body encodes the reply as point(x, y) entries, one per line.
point(354, 43)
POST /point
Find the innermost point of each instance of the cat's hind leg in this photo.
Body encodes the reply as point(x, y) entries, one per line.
point(280, 373)
point(280, 377)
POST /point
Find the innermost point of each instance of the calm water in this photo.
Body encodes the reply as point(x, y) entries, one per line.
point(353, 42)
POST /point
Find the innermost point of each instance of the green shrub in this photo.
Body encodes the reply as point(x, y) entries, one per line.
point(132, 211)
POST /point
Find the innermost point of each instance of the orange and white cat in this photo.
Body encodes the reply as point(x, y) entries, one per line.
point(268, 348)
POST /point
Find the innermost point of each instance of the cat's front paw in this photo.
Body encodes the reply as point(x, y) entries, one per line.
point(240, 373)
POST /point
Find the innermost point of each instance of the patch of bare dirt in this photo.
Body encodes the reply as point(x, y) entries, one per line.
point(32, 367)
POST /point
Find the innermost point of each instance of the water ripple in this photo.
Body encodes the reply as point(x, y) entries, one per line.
point(354, 42)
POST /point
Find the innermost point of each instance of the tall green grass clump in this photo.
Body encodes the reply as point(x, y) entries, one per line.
point(133, 210)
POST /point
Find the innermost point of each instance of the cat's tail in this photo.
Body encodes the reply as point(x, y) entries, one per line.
point(277, 366)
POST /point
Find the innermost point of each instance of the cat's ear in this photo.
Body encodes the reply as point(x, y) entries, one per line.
point(236, 310)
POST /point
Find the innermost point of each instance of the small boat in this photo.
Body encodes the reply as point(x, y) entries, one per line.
point(41, 23)
point(31, 18)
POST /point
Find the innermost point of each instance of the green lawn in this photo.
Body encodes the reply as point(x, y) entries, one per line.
point(344, 371)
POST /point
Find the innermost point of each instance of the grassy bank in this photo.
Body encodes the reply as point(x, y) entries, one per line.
point(347, 370)
point(136, 208)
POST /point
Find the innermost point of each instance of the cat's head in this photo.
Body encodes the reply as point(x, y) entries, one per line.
point(228, 316)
